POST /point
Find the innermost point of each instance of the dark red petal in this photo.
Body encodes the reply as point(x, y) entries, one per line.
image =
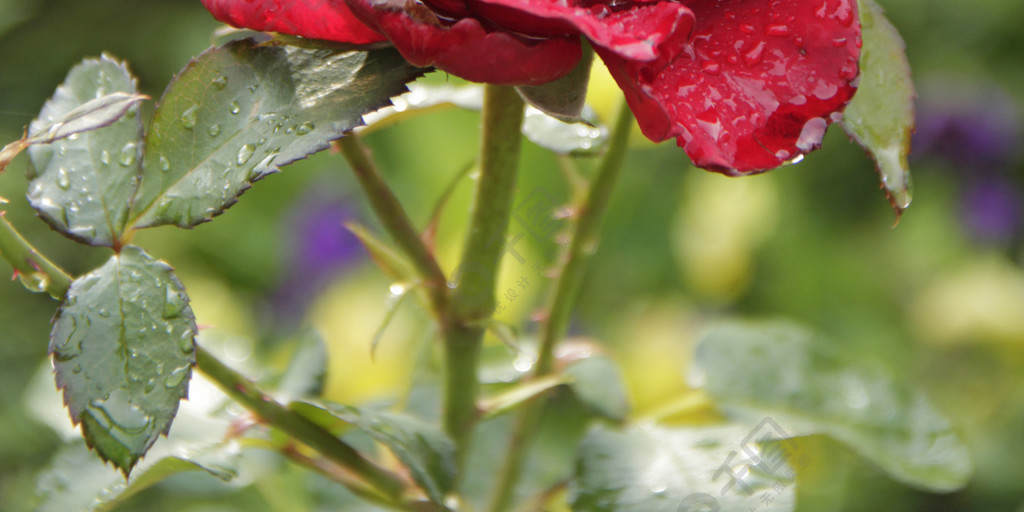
point(466, 49)
point(317, 19)
point(758, 86)
point(638, 31)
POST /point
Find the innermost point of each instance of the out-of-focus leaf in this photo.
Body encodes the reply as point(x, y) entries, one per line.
point(238, 112)
point(564, 98)
point(564, 138)
point(597, 382)
point(649, 469)
point(881, 115)
point(123, 350)
point(427, 453)
point(389, 259)
point(307, 369)
point(83, 183)
point(77, 481)
point(542, 129)
point(785, 372)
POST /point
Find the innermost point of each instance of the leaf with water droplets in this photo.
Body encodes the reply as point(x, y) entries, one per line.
point(649, 469)
point(881, 116)
point(83, 182)
point(122, 347)
point(424, 450)
point(77, 481)
point(240, 111)
point(809, 386)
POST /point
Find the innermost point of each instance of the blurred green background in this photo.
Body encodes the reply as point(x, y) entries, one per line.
point(939, 297)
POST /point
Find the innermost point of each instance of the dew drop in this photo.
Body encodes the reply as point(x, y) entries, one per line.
point(753, 56)
point(244, 154)
point(150, 385)
point(177, 377)
point(165, 164)
point(76, 369)
point(189, 117)
point(747, 28)
point(777, 30)
point(187, 343)
point(235, 107)
point(214, 130)
point(711, 67)
point(105, 157)
point(304, 129)
point(811, 134)
point(129, 153)
point(63, 180)
point(220, 82)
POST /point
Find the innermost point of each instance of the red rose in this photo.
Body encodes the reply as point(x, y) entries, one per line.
point(743, 85)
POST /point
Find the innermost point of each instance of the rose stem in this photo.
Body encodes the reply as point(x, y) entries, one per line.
point(26, 260)
point(391, 214)
point(242, 390)
point(473, 299)
point(556, 320)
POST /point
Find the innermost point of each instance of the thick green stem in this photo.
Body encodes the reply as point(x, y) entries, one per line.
point(556, 322)
point(584, 242)
point(30, 264)
point(473, 299)
point(390, 212)
point(241, 389)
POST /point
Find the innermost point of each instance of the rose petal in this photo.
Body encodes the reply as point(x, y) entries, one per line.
point(639, 31)
point(466, 49)
point(758, 87)
point(317, 19)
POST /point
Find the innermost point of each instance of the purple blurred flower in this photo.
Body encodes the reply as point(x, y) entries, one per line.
point(320, 248)
point(970, 128)
point(993, 210)
point(977, 131)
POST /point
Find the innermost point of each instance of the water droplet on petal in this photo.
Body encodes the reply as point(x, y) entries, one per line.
point(777, 30)
point(811, 134)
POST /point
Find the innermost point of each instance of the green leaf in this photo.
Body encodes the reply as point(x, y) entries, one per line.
point(597, 382)
point(83, 183)
point(77, 481)
point(427, 453)
point(238, 112)
point(123, 351)
point(785, 372)
point(564, 98)
point(650, 469)
point(881, 115)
